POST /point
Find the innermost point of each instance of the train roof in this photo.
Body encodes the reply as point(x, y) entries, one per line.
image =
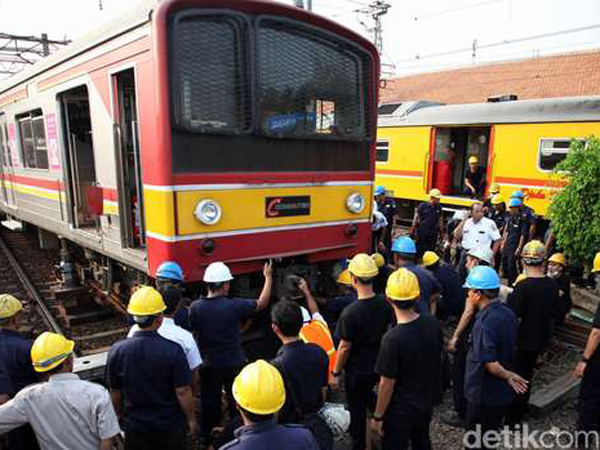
point(565, 109)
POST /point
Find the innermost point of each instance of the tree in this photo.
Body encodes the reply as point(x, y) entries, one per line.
point(575, 209)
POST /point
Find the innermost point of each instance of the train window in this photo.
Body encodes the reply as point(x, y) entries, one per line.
point(552, 152)
point(210, 81)
point(6, 157)
point(300, 69)
point(32, 136)
point(383, 151)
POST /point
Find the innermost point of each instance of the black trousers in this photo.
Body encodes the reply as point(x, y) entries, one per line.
point(524, 366)
point(425, 242)
point(360, 396)
point(589, 405)
point(459, 363)
point(407, 429)
point(212, 382)
point(172, 440)
point(509, 265)
point(480, 419)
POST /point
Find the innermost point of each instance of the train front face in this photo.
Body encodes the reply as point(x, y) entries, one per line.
point(270, 125)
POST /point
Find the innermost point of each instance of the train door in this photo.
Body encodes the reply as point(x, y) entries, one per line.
point(6, 163)
point(83, 193)
point(452, 148)
point(128, 163)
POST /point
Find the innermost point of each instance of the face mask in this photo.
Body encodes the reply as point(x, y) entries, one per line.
point(553, 273)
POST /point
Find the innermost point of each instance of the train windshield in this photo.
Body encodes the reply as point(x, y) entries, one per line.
point(266, 94)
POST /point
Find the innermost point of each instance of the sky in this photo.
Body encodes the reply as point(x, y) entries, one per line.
point(418, 35)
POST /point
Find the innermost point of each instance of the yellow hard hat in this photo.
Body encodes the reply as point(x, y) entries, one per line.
point(430, 258)
point(520, 278)
point(494, 188)
point(497, 199)
point(146, 301)
point(259, 388)
point(379, 260)
point(344, 278)
point(558, 258)
point(533, 250)
point(363, 266)
point(403, 285)
point(49, 350)
point(473, 160)
point(596, 263)
point(9, 306)
point(435, 193)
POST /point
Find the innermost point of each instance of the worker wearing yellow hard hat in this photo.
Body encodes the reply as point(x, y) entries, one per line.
point(494, 188)
point(474, 180)
point(557, 270)
point(61, 409)
point(360, 328)
point(430, 258)
point(428, 224)
point(153, 375)
point(413, 346)
point(535, 301)
point(15, 351)
point(259, 391)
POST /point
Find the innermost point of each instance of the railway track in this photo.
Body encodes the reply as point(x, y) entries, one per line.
point(77, 313)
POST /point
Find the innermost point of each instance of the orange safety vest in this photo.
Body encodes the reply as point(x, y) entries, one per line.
point(316, 332)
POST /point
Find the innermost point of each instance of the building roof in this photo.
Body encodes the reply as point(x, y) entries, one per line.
point(566, 75)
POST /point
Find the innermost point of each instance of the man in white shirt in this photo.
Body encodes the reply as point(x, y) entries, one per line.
point(476, 231)
point(66, 413)
point(172, 296)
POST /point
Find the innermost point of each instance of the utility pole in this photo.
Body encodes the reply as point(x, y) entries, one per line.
point(375, 11)
point(16, 52)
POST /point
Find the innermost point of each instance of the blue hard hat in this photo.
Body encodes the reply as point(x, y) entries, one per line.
point(518, 194)
point(514, 201)
point(380, 190)
point(170, 270)
point(404, 244)
point(483, 277)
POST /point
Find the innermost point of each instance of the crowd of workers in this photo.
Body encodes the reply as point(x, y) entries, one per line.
point(381, 338)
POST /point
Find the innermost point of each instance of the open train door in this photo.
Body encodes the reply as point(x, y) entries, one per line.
point(6, 165)
point(128, 162)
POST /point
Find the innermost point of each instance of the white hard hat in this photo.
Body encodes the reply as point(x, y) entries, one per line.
point(482, 253)
point(217, 272)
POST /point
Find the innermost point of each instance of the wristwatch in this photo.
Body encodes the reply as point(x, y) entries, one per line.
point(377, 418)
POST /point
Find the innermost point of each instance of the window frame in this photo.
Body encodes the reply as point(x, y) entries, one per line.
point(28, 117)
point(387, 142)
point(6, 157)
point(176, 106)
point(560, 139)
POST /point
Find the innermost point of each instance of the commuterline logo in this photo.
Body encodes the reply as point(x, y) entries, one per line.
point(522, 437)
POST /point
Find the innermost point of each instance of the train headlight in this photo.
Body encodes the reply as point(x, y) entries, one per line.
point(208, 212)
point(355, 203)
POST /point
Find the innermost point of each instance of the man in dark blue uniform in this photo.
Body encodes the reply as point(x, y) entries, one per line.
point(528, 215)
point(15, 357)
point(489, 383)
point(215, 321)
point(304, 368)
point(513, 240)
point(388, 207)
point(150, 381)
point(452, 298)
point(405, 254)
point(427, 223)
point(474, 179)
point(497, 212)
point(260, 393)
point(169, 273)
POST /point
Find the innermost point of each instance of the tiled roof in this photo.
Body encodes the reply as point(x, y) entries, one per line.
point(565, 75)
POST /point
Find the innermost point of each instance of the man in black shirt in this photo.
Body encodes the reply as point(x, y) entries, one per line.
point(428, 221)
point(535, 300)
point(489, 383)
point(557, 270)
point(388, 207)
point(304, 368)
point(452, 298)
point(474, 179)
point(409, 365)
point(360, 329)
point(589, 369)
